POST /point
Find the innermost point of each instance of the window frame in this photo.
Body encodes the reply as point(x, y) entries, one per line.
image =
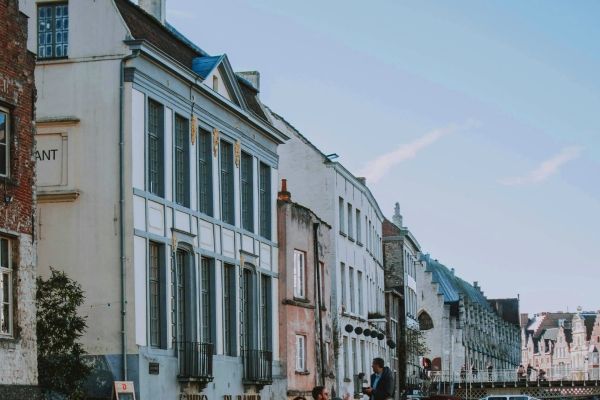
point(205, 172)
point(7, 302)
point(264, 200)
point(53, 6)
point(229, 333)
point(350, 224)
point(156, 339)
point(181, 161)
point(227, 182)
point(207, 300)
point(6, 142)
point(156, 186)
point(300, 353)
point(299, 275)
point(247, 190)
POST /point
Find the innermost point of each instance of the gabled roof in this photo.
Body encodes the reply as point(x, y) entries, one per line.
point(170, 41)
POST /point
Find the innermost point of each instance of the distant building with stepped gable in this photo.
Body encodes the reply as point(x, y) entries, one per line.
point(565, 345)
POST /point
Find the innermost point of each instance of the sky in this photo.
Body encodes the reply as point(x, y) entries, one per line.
point(481, 118)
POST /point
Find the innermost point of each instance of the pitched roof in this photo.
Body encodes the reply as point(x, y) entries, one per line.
point(451, 286)
point(203, 66)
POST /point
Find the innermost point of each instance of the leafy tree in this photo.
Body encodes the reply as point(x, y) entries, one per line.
point(61, 364)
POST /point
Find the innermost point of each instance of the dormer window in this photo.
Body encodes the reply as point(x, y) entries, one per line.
point(215, 83)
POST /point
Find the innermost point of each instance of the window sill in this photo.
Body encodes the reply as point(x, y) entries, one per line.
point(302, 372)
point(350, 238)
point(294, 302)
point(343, 234)
point(347, 380)
point(358, 242)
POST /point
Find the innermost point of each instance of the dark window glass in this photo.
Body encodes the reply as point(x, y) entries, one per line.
point(247, 192)
point(53, 30)
point(205, 193)
point(227, 204)
point(206, 299)
point(265, 200)
point(229, 331)
point(155, 294)
point(182, 162)
point(265, 308)
point(156, 131)
point(4, 153)
point(179, 296)
point(246, 306)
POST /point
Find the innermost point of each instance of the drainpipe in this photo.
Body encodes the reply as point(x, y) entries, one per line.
point(318, 305)
point(122, 209)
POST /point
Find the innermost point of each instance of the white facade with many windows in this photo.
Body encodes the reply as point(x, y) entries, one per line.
point(356, 261)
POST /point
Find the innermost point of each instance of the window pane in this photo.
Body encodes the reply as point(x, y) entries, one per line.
point(227, 204)
point(247, 176)
point(155, 295)
point(155, 147)
point(4, 260)
point(265, 200)
point(182, 163)
point(205, 290)
point(205, 173)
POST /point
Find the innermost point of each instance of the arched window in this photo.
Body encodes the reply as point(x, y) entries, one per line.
point(425, 321)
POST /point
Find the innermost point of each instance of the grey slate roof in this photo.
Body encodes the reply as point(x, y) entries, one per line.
point(451, 286)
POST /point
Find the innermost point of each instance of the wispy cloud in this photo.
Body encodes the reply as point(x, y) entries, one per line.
point(546, 168)
point(375, 169)
point(173, 13)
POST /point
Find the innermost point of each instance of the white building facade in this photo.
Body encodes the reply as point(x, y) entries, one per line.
point(159, 199)
point(356, 260)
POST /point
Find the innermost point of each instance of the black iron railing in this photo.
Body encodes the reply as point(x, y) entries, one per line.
point(195, 360)
point(258, 366)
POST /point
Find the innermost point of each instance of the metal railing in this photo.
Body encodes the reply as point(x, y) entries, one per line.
point(195, 360)
point(258, 366)
point(534, 376)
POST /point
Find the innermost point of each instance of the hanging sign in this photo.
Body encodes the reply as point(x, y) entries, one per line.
point(123, 390)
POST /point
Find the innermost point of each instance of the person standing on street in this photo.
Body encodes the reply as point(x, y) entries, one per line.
point(382, 381)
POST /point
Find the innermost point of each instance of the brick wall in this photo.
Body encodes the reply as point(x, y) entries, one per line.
point(18, 369)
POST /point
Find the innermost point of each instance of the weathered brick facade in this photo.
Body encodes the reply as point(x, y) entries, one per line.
point(18, 351)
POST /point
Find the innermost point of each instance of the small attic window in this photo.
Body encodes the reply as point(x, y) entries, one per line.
point(215, 83)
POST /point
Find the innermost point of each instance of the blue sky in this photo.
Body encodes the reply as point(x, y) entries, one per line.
point(481, 118)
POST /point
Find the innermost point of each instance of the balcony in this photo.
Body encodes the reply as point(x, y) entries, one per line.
point(195, 361)
point(258, 367)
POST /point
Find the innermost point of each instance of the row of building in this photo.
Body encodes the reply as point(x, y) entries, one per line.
point(221, 253)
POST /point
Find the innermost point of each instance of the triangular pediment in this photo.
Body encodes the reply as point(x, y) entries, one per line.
point(217, 74)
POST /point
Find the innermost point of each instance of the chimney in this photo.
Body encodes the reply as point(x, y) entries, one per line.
point(284, 195)
point(156, 8)
point(397, 218)
point(451, 270)
point(362, 180)
point(251, 76)
point(475, 284)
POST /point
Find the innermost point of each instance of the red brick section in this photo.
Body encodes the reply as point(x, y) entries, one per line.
point(389, 229)
point(17, 94)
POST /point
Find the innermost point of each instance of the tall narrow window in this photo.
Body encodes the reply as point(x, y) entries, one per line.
point(354, 357)
point(4, 141)
point(155, 272)
point(179, 294)
point(346, 358)
point(247, 179)
point(156, 131)
point(359, 281)
point(247, 308)
point(205, 181)
point(265, 312)
point(206, 299)
point(300, 353)
point(350, 218)
point(182, 161)
point(6, 295)
point(227, 204)
point(343, 282)
point(341, 214)
point(53, 30)
point(229, 310)
point(299, 274)
point(363, 356)
point(265, 200)
point(358, 233)
point(351, 281)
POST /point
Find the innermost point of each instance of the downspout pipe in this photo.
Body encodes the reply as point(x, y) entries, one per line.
point(319, 301)
point(124, 60)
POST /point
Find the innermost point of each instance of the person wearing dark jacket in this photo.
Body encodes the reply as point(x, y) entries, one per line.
point(382, 382)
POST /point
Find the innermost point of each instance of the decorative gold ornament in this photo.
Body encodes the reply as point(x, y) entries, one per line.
point(237, 151)
point(215, 142)
point(194, 129)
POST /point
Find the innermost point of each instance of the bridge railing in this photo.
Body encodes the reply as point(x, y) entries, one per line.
point(558, 374)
